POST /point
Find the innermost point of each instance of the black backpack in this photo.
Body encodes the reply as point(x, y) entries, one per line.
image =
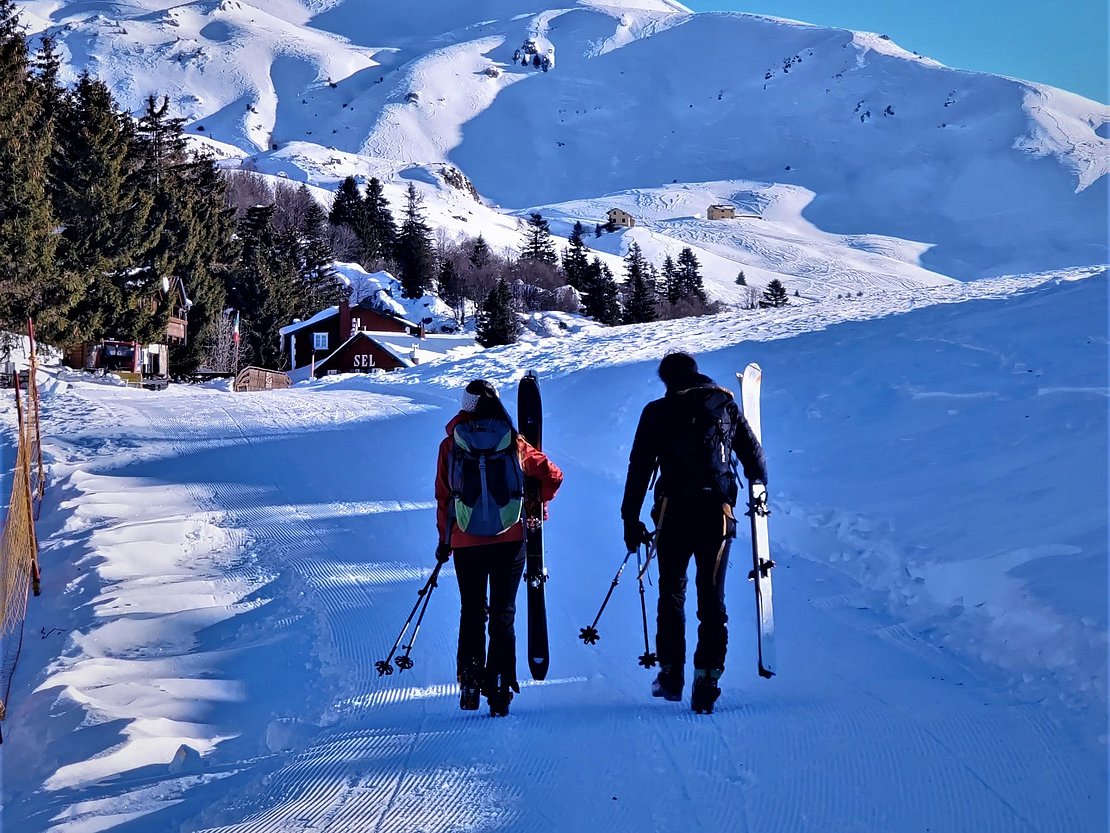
point(699, 463)
point(484, 472)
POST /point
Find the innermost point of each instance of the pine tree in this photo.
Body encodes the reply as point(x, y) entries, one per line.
point(415, 258)
point(575, 260)
point(264, 286)
point(103, 210)
point(379, 235)
point(47, 66)
point(775, 295)
point(497, 321)
point(689, 275)
point(30, 285)
point(639, 303)
point(188, 228)
point(162, 142)
point(347, 207)
point(671, 284)
point(480, 254)
point(204, 250)
point(635, 265)
point(741, 280)
point(538, 245)
point(601, 296)
point(449, 287)
point(323, 286)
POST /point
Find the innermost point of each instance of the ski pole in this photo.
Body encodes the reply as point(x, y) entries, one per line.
point(404, 662)
point(589, 634)
point(648, 659)
point(384, 666)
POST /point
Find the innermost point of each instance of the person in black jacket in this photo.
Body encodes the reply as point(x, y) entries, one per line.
point(693, 514)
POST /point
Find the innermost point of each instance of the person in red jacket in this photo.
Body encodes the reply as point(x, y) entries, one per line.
point(487, 565)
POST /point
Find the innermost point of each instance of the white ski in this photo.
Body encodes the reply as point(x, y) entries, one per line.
point(762, 564)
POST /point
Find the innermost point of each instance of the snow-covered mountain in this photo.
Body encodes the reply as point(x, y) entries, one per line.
point(870, 166)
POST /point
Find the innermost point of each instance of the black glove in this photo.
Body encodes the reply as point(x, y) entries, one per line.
point(443, 552)
point(635, 533)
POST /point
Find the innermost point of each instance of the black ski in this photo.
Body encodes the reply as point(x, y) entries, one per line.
point(530, 419)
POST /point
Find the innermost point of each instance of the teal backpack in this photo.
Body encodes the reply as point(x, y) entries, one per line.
point(486, 480)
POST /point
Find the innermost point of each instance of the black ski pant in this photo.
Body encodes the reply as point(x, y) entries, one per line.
point(705, 534)
point(489, 577)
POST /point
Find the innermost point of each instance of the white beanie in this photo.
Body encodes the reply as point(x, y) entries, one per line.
point(470, 401)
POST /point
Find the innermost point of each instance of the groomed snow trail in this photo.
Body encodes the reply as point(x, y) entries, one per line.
point(323, 496)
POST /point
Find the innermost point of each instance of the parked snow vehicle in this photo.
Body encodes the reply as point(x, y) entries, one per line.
point(139, 365)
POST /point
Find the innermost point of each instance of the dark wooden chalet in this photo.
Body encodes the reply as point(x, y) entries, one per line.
point(151, 359)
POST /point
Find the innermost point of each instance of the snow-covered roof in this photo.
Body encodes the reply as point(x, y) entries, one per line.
point(322, 315)
point(439, 345)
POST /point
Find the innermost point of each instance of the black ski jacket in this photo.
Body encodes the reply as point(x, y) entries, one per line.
point(659, 423)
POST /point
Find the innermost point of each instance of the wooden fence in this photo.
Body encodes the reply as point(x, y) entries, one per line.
point(19, 566)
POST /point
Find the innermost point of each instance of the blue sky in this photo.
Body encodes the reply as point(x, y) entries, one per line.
point(1058, 42)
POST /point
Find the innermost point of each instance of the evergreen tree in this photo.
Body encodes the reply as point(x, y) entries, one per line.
point(575, 260)
point(639, 304)
point(189, 226)
point(415, 258)
point(497, 321)
point(689, 275)
point(204, 250)
point(347, 208)
point(656, 282)
point(323, 286)
point(103, 210)
point(635, 265)
point(449, 287)
point(264, 286)
point(741, 280)
point(671, 287)
point(480, 254)
point(775, 295)
point(379, 230)
point(538, 245)
point(30, 285)
point(161, 142)
point(48, 65)
point(601, 300)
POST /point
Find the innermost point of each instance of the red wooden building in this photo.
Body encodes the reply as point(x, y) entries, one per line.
point(321, 336)
point(361, 353)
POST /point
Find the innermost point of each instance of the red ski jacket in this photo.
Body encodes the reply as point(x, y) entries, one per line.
point(535, 464)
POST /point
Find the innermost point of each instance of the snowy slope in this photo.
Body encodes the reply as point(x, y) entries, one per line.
point(965, 174)
point(222, 571)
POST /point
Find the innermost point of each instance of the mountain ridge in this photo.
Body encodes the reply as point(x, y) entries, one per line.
point(983, 175)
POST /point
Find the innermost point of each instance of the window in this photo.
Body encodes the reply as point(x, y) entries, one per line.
point(319, 341)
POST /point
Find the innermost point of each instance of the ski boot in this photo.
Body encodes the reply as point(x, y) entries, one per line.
point(705, 690)
point(667, 684)
point(499, 695)
point(470, 691)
